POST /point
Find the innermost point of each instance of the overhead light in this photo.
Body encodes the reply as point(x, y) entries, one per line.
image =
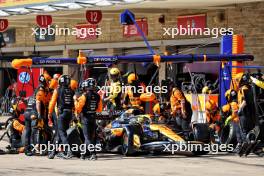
point(59, 6)
point(66, 6)
point(2, 13)
point(33, 9)
point(19, 11)
point(116, 1)
point(104, 3)
point(90, 1)
point(132, 1)
point(75, 6)
point(84, 4)
point(46, 8)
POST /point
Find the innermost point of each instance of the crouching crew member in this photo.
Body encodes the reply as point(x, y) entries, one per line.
point(180, 108)
point(132, 94)
point(213, 117)
point(63, 96)
point(88, 104)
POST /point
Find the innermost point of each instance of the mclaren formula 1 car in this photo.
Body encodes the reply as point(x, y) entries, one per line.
point(133, 134)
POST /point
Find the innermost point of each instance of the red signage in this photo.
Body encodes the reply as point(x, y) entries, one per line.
point(94, 16)
point(131, 30)
point(44, 21)
point(192, 21)
point(86, 31)
point(3, 25)
point(25, 81)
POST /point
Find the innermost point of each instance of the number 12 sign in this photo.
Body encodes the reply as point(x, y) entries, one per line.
point(94, 16)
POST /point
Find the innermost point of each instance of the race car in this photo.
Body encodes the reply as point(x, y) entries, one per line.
point(133, 134)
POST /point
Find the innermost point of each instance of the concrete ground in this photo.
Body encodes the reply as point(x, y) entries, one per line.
point(114, 164)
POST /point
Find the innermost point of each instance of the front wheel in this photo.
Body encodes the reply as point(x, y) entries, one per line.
point(127, 145)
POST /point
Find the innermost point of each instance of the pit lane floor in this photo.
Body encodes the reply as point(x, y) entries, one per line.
point(114, 164)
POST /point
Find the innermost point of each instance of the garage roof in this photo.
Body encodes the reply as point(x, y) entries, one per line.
point(27, 7)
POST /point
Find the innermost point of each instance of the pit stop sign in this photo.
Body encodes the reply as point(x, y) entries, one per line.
point(94, 16)
point(43, 21)
point(3, 24)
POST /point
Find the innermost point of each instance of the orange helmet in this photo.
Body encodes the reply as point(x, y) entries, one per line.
point(74, 84)
point(147, 97)
point(53, 84)
point(210, 105)
point(131, 77)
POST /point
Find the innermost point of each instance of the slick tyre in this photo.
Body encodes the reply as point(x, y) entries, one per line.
point(228, 135)
point(201, 132)
point(127, 142)
point(74, 139)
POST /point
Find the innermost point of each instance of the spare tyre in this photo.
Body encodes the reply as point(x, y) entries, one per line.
point(201, 132)
point(228, 135)
point(74, 139)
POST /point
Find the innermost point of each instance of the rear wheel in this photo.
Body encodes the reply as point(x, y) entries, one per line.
point(201, 132)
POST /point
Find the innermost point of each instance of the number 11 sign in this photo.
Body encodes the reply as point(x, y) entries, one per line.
point(94, 16)
point(44, 21)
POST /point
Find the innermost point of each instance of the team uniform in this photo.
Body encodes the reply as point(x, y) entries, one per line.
point(88, 104)
point(180, 109)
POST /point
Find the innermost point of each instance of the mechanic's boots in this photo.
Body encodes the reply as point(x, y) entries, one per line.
point(238, 148)
point(28, 151)
point(68, 155)
point(52, 154)
point(82, 157)
point(93, 157)
point(60, 155)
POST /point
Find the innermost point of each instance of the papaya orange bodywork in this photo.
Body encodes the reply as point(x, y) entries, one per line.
point(117, 131)
point(166, 131)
